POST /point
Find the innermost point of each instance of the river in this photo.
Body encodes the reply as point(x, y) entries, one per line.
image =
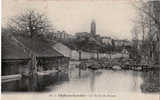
point(116, 84)
point(109, 81)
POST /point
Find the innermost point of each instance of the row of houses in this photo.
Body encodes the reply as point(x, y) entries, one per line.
point(75, 55)
point(62, 35)
point(109, 41)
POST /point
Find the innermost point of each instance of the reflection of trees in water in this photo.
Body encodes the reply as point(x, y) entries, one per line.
point(151, 81)
point(92, 83)
point(135, 83)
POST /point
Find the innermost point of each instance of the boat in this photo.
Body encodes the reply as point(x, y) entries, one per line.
point(116, 67)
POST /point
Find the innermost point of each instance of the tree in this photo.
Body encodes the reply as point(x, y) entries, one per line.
point(149, 22)
point(30, 23)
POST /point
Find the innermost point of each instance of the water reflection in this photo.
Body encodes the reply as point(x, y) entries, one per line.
point(92, 82)
point(109, 81)
point(151, 82)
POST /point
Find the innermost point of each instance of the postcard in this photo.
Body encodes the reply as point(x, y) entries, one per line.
point(80, 50)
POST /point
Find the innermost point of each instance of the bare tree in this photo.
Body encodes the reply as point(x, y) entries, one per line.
point(149, 20)
point(135, 32)
point(30, 23)
point(152, 11)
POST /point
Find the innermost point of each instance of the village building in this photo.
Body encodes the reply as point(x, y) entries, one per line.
point(60, 47)
point(65, 50)
point(80, 34)
point(13, 56)
point(123, 43)
point(15, 61)
point(62, 35)
point(47, 57)
point(106, 40)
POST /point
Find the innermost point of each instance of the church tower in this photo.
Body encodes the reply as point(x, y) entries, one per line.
point(93, 27)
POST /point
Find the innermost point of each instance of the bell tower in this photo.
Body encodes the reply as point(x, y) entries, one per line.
point(93, 27)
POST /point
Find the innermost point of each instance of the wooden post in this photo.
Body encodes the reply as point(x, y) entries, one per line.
point(97, 55)
point(80, 53)
point(33, 74)
point(68, 68)
point(110, 58)
point(58, 68)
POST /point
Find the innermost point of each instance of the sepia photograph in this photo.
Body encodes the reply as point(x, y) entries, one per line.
point(80, 49)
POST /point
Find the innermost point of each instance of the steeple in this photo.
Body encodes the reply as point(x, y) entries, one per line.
point(93, 27)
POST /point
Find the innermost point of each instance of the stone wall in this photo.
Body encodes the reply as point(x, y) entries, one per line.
point(88, 55)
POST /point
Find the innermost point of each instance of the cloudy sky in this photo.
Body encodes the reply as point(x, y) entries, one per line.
point(113, 18)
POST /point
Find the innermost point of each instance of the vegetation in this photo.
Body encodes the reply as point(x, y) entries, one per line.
point(32, 23)
point(29, 23)
point(146, 33)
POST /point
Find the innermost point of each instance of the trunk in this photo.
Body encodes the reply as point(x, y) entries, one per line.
point(80, 55)
point(158, 44)
point(79, 72)
point(97, 55)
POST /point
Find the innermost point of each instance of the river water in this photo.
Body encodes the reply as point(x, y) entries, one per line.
point(102, 81)
point(109, 81)
point(119, 84)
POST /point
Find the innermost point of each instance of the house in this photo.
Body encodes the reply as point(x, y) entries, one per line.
point(107, 40)
point(15, 61)
point(60, 47)
point(14, 58)
point(61, 35)
point(47, 57)
point(122, 43)
point(65, 50)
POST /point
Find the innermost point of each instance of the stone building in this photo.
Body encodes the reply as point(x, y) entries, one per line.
point(107, 40)
point(93, 27)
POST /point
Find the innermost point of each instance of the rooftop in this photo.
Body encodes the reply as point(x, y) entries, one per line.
point(39, 46)
point(11, 50)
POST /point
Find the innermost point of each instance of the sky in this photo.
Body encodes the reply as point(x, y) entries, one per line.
point(113, 17)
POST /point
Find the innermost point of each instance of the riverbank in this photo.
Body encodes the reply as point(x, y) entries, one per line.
point(115, 64)
point(76, 70)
